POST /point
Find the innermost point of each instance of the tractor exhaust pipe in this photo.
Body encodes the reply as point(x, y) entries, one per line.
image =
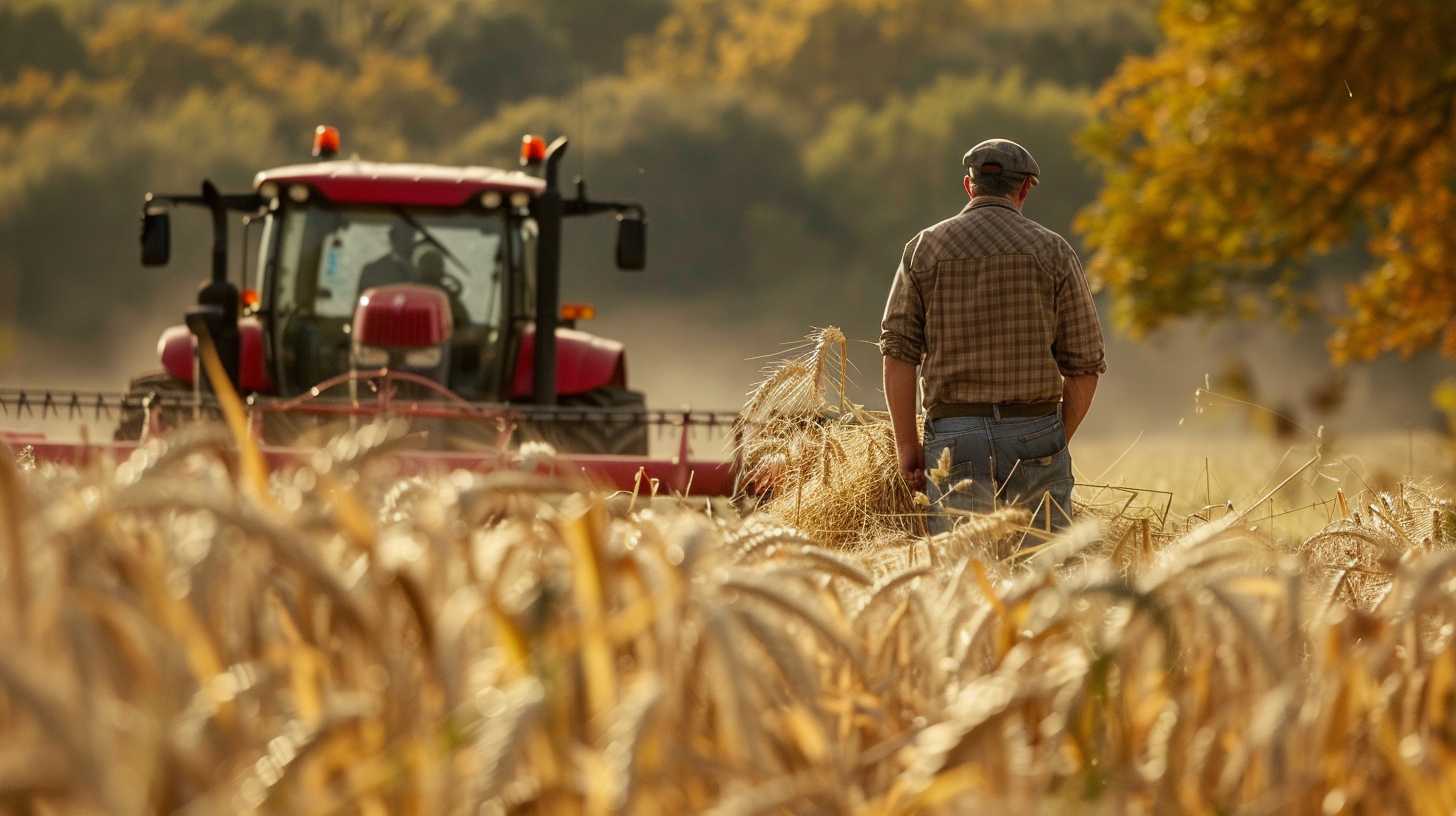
point(547, 210)
point(216, 312)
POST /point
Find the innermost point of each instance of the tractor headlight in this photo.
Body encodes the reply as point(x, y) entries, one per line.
point(369, 357)
point(423, 358)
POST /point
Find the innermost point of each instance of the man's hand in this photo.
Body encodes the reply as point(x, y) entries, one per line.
point(900, 396)
point(912, 464)
point(1077, 400)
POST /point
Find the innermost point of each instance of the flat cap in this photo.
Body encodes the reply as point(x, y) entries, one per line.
point(995, 157)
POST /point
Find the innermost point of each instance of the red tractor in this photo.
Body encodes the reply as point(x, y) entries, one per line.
point(441, 272)
point(412, 288)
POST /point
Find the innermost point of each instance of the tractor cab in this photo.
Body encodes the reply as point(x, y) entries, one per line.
point(447, 274)
point(329, 267)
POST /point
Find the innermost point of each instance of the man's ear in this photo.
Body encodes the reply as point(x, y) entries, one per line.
point(1025, 189)
point(966, 183)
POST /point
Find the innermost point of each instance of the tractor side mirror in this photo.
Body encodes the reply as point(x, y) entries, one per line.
point(631, 242)
point(156, 236)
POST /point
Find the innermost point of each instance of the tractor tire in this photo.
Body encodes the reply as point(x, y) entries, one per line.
point(620, 437)
point(133, 419)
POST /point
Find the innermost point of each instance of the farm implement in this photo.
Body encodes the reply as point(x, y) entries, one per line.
point(420, 292)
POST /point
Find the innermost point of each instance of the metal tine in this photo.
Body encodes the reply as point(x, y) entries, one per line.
point(23, 403)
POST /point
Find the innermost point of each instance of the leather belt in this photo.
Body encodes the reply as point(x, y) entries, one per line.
point(993, 409)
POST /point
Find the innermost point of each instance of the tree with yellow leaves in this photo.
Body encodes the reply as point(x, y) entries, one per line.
point(1265, 134)
point(826, 53)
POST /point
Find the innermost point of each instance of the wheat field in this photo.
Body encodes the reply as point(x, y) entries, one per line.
point(190, 634)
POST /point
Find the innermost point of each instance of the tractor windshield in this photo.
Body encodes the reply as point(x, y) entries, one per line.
point(327, 256)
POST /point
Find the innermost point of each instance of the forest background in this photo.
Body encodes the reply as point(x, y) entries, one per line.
point(785, 149)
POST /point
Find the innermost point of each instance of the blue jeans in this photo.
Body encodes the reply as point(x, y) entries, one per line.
point(1020, 461)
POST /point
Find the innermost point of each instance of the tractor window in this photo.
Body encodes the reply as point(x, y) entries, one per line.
point(330, 256)
point(327, 256)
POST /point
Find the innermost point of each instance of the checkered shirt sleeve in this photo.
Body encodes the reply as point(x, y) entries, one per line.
point(902, 329)
point(1078, 345)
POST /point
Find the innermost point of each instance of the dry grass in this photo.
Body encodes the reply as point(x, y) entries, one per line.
point(342, 640)
point(826, 465)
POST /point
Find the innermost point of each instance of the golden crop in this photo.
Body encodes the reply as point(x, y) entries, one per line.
point(346, 641)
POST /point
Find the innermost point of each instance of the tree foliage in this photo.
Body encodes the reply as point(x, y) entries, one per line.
point(593, 36)
point(890, 170)
point(824, 53)
point(1264, 135)
point(483, 56)
point(37, 38)
point(303, 31)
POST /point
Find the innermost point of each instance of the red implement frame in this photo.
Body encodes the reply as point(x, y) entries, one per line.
point(680, 474)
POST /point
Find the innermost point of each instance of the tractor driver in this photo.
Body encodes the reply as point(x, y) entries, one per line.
point(432, 272)
point(395, 266)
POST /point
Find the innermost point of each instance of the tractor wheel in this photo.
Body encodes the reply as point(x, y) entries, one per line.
point(133, 417)
point(623, 437)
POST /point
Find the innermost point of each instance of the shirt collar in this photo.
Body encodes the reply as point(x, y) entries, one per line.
point(990, 201)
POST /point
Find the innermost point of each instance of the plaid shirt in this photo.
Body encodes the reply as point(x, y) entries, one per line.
point(993, 307)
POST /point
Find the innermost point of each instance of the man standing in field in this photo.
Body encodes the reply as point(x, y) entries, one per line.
point(994, 313)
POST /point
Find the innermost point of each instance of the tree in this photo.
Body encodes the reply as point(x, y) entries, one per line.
point(595, 35)
point(823, 53)
point(1264, 135)
point(799, 48)
point(38, 39)
point(484, 56)
point(303, 31)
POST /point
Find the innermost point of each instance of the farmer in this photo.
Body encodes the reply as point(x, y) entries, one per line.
point(993, 312)
point(396, 265)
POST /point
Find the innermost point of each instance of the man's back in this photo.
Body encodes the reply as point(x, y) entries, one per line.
point(995, 308)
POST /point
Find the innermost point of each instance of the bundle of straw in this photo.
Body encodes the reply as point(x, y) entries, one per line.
point(821, 462)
